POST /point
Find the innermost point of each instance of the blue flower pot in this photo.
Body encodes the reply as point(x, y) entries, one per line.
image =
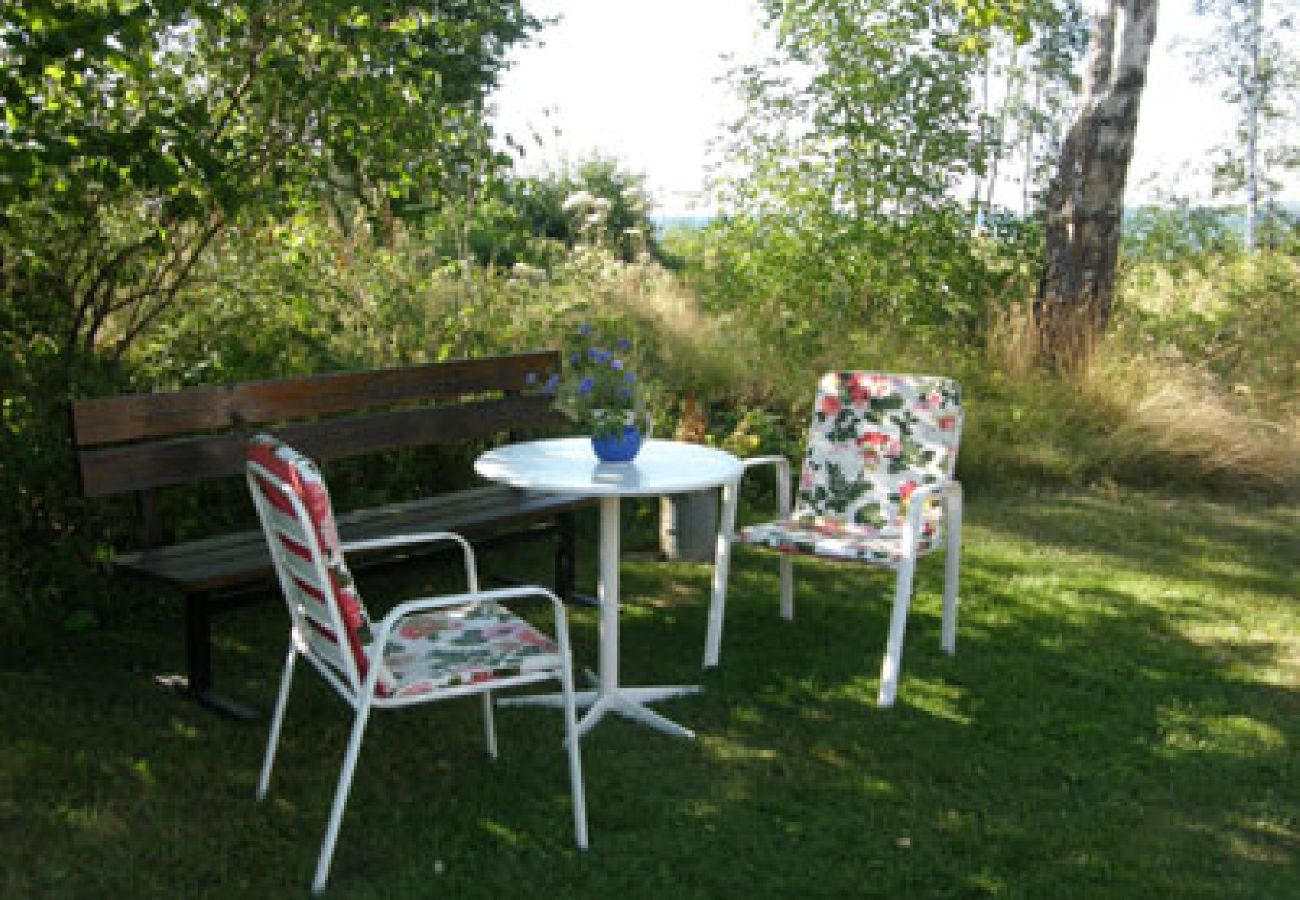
point(620, 447)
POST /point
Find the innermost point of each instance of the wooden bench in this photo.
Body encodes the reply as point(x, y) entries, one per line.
point(139, 443)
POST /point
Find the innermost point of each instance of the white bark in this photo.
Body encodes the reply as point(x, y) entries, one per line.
point(1252, 123)
point(1085, 201)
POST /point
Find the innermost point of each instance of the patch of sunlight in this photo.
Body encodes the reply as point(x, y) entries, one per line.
point(1263, 841)
point(726, 749)
point(140, 769)
point(860, 690)
point(1256, 840)
point(830, 756)
point(95, 820)
point(698, 808)
point(746, 715)
point(986, 883)
point(506, 835)
point(934, 697)
point(1241, 736)
point(184, 730)
point(876, 787)
point(812, 713)
point(660, 601)
point(1260, 656)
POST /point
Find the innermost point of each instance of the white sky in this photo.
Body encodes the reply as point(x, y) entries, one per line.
point(636, 80)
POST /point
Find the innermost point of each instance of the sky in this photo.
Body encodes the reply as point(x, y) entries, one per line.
point(637, 81)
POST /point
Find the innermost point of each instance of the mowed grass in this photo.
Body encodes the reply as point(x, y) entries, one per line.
point(1122, 719)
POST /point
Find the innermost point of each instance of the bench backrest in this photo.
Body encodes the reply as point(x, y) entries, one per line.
point(136, 442)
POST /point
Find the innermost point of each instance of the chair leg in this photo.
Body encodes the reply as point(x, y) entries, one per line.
point(571, 737)
point(951, 575)
point(340, 799)
point(897, 626)
point(277, 719)
point(721, 568)
point(489, 724)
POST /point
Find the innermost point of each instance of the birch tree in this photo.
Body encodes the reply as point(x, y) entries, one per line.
point(1250, 55)
point(1085, 200)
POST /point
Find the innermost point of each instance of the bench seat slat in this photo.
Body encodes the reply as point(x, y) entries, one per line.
point(241, 558)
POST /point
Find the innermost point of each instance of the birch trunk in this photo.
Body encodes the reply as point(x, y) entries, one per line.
point(1252, 123)
point(1085, 200)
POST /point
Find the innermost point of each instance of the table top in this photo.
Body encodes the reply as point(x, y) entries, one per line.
point(569, 465)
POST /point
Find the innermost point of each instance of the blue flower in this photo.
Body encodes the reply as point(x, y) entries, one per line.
point(574, 358)
point(586, 385)
point(552, 383)
point(623, 344)
point(630, 376)
point(599, 355)
point(584, 329)
point(616, 365)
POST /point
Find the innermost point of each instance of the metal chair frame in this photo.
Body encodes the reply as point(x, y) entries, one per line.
point(340, 669)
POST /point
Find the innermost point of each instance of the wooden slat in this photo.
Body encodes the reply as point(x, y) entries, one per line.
point(134, 467)
point(242, 558)
point(129, 417)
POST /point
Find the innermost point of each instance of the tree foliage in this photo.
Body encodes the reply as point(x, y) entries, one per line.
point(134, 132)
point(1251, 56)
point(841, 178)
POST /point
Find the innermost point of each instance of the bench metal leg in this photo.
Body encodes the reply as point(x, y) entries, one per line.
point(566, 556)
point(566, 561)
point(196, 683)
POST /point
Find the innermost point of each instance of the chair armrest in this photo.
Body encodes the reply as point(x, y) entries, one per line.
point(948, 490)
point(782, 479)
point(426, 537)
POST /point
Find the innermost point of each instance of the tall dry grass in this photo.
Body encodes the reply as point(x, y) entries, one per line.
point(1142, 413)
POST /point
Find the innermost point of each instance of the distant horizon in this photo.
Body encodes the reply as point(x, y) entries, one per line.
point(1290, 205)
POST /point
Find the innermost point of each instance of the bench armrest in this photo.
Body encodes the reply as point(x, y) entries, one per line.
point(428, 537)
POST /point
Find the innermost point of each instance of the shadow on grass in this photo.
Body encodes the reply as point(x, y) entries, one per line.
point(1094, 736)
point(1080, 744)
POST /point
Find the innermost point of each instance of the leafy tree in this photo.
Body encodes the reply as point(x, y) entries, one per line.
point(865, 110)
point(1037, 81)
point(596, 201)
point(840, 178)
point(135, 132)
point(1251, 54)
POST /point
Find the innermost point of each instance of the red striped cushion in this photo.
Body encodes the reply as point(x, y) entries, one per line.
point(303, 478)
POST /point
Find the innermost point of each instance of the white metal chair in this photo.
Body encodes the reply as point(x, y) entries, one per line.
point(423, 650)
point(877, 487)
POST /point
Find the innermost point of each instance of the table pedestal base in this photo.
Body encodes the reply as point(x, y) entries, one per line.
point(627, 702)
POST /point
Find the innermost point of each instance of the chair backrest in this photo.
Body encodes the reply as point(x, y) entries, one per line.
point(298, 520)
point(876, 437)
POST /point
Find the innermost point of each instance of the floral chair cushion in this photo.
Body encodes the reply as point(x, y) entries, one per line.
point(304, 478)
point(874, 439)
point(827, 537)
point(430, 651)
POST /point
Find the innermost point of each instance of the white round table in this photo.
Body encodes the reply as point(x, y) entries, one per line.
point(568, 465)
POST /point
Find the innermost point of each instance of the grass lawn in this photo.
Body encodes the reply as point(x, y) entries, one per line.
point(1122, 719)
